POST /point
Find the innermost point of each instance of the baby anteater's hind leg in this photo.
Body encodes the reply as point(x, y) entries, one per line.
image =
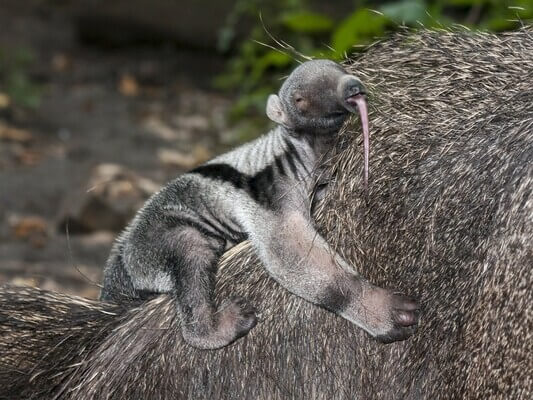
point(203, 325)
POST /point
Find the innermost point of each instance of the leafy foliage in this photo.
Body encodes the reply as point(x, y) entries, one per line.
point(259, 58)
point(15, 81)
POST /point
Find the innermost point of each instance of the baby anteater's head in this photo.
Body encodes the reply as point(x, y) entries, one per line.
point(316, 98)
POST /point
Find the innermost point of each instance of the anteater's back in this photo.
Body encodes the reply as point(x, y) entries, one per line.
point(449, 217)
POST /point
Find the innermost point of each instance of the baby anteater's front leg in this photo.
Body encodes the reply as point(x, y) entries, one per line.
point(301, 260)
point(193, 258)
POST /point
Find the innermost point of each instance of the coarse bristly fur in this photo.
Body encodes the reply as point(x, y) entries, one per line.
point(449, 216)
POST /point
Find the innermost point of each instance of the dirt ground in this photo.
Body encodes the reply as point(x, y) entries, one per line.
point(148, 110)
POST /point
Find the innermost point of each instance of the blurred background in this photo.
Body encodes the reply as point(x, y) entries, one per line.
point(101, 102)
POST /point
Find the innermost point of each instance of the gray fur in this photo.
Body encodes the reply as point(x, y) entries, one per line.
point(450, 216)
point(260, 191)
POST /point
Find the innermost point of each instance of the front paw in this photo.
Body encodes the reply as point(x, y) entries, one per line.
point(404, 314)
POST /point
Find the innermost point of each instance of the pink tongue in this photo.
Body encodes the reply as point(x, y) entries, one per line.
point(363, 113)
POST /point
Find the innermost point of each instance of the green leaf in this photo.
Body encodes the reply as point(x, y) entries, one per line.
point(358, 28)
point(23, 57)
point(307, 22)
point(271, 58)
point(522, 8)
point(22, 91)
point(504, 16)
point(467, 2)
point(498, 24)
point(407, 12)
point(255, 100)
point(274, 58)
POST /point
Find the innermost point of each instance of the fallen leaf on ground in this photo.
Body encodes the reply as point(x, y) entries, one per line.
point(176, 158)
point(14, 134)
point(5, 101)
point(192, 122)
point(161, 130)
point(128, 86)
point(201, 153)
point(61, 62)
point(29, 157)
point(25, 226)
point(31, 228)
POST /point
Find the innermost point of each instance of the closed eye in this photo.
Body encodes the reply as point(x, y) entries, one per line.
point(336, 114)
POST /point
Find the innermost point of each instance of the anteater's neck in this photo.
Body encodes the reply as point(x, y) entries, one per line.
point(314, 149)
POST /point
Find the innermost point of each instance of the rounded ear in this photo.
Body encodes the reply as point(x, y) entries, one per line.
point(275, 110)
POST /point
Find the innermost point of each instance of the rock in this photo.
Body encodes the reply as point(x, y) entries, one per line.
point(22, 281)
point(111, 198)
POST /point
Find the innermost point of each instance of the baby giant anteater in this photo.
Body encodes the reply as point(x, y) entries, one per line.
point(260, 191)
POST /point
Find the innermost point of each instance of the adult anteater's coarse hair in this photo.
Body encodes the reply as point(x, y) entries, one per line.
point(449, 216)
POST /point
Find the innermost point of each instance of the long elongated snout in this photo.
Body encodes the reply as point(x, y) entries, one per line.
point(352, 93)
point(349, 88)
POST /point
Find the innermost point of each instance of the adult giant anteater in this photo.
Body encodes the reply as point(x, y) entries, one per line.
point(449, 216)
